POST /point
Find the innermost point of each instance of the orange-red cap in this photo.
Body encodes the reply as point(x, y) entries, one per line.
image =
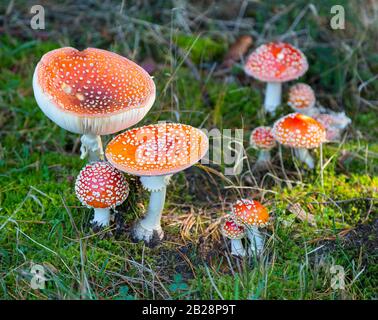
point(157, 149)
point(262, 138)
point(100, 185)
point(232, 230)
point(299, 131)
point(250, 213)
point(276, 62)
point(93, 82)
point(301, 97)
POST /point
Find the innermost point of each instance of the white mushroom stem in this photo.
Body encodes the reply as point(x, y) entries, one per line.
point(272, 96)
point(91, 146)
point(304, 156)
point(256, 241)
point(264, 156)
point(101, 217)
point(150, 226)
point(237, 248)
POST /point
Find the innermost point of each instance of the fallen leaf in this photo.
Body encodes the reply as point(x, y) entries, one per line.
point(302, 215)
point(238, 49)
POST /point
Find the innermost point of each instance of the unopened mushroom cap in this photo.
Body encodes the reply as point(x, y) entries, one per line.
point(100, 185)
point(299, 131)
point(157, 149)
point(232, 230)
point(276, 62)
point(93, 82)
point(250, 213)
point(301, 97)
point(262, 138)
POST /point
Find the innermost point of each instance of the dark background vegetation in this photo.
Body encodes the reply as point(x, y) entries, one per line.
point(184, 44)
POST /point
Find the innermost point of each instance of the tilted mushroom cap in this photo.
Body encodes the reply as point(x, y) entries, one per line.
point(250, 213)
point(262, 138)
point(92, 91)
point(232, 230)
point(301, 97)
point(299, 131)
point(276, 62)
point(100, 185)
point(158, 149)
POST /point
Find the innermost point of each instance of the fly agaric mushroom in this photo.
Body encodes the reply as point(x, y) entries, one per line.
point(302, 99)
point(101, 186)
point(334, 123)
point(155, 153)
point(252, 215)
point(274, 63)
point(263, 140)
point(92, 92)
point(300, 132)
point(235, 233)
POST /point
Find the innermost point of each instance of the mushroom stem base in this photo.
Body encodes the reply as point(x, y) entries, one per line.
point(256, 241)
point(149, 228)
point(237, 248)
point(101, 217)
point(304, 156)
point(272, 97)
point(91, 147)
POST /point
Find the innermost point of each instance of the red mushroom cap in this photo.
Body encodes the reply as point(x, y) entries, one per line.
point(276, 62)
point(100, 185)
point(301, 96)
point(250, 213)
point(299, 131)
point(158, 149)
point(232, 230)
point(262, 138)
point(93, 82)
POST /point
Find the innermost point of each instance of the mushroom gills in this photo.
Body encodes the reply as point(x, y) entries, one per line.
point(272, 96)
point(150, 226)
point(304, 156)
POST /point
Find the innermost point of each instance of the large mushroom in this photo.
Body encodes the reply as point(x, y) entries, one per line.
point(101, 186)
point(235, 233)
point(302, 99)
point(92, 92)
point(155, 153)
point(300, 132)
point(274, 63)
point(262, 140)
point(252, 215)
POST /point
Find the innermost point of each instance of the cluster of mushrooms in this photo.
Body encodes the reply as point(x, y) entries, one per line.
point(307, 128)
point(96, 92)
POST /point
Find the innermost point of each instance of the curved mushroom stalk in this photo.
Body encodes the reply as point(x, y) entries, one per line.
point(91, 147)
point(237, 248)
point(149, 228)
point(304, 156)
point(101, 217)
point(256, 241)
point(272, 96)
